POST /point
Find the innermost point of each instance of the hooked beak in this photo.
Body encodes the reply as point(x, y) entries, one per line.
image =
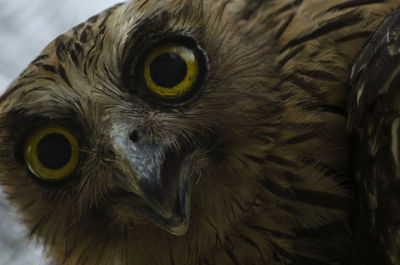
point(160, 176)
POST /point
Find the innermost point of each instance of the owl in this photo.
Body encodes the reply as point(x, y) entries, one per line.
point(208, 133)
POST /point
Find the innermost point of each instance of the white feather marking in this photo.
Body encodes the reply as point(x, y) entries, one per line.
point(359, 94)
point(395, 142)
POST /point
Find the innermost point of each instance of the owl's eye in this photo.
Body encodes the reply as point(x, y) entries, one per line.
point(172, 70)
point(51, 153)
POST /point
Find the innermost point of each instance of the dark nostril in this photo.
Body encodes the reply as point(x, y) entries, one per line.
point(134, 137)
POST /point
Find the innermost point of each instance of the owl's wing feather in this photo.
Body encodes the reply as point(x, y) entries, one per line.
point(374, 118)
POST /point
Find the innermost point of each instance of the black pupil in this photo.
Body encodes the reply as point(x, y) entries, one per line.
point(54, 151)
point(168, 69)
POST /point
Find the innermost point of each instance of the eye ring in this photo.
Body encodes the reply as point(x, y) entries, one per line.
point(180, 58)
point(51, 153)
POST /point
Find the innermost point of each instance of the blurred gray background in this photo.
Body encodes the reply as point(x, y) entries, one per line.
point(26, 26)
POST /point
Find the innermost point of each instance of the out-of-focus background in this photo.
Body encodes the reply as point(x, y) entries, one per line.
point(26, 26)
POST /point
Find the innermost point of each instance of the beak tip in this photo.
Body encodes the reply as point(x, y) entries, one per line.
point(180, 231)
point(175, 222)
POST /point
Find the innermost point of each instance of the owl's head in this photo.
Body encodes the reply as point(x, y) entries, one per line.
point(137, 123)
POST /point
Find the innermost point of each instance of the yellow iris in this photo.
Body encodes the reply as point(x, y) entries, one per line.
point(189, 78)
point(57, 145)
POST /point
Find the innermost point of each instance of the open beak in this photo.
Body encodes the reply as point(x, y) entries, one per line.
point(160, 176)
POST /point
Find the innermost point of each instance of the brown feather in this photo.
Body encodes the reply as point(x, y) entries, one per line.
point(272, 185)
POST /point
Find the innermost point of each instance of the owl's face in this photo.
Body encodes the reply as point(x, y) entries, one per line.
point(137, 122)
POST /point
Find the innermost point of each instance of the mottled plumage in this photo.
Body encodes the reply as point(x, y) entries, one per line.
point(374, 121)
point(259, 151)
